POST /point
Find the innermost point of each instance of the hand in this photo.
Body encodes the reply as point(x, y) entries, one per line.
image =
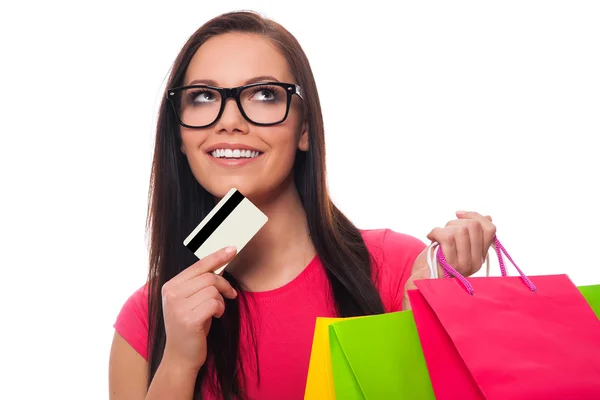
point(190, 300)
point(465, 241)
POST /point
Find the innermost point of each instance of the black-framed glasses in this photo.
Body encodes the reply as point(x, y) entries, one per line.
point(263, 103)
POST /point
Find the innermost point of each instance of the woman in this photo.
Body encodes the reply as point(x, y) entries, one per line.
point(190, 333)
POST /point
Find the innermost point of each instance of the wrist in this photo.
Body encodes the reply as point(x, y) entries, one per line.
point(174, 365)
point(420, 268)
point(173, 379)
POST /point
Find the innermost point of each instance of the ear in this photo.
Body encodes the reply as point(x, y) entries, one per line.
point(182, 148)
point(303, 142)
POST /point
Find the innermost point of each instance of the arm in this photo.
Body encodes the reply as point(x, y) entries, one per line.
point(420, 270)
point(172, 381)
point(128, 376)
point(190, 301)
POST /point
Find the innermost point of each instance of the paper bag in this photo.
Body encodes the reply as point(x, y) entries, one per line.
point(379, 357)
point(498, 338)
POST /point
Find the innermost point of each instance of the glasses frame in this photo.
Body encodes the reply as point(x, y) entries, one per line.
point(234, 93)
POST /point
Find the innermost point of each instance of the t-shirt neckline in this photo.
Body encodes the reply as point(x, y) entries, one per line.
point(301, 280)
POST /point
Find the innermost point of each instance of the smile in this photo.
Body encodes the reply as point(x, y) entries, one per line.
point(234, 153)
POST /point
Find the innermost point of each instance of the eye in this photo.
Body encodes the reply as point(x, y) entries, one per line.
point(265, 93)
point(202, 96)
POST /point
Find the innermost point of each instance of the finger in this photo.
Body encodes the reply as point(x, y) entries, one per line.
point(468, 263)
point(202, 297)
point(208, 309)
point(209, 263)
point(446, 240)
point(462, 241)
point(471, 215)
point(433, 234)
point(478, 251)
point(197, 283)
point(489, 229)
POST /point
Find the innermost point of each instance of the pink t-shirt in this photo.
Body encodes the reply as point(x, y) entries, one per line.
point(284, 318)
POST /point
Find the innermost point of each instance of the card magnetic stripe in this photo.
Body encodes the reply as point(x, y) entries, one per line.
point(220, 216)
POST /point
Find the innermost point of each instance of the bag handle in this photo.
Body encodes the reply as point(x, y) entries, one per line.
point(433, 267)
point(451, 272)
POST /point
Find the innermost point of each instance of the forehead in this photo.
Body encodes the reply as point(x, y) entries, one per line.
point(234, 58)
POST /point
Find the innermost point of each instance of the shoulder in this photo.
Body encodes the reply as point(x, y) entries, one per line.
point(391, 245)
point(132, 320)
point(393, 255)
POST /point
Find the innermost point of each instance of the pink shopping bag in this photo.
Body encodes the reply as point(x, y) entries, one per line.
point(517, 338)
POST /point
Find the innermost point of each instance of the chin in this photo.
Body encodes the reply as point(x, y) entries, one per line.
point(248, 189)
point(257, 189)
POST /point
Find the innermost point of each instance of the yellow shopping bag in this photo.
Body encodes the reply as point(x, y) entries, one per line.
point(319, 382)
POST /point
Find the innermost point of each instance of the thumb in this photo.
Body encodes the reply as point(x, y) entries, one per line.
point(472, 215)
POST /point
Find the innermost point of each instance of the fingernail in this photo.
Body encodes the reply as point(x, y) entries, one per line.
point(230, 250)
point(234, 292)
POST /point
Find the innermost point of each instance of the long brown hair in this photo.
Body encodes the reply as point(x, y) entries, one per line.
point(177, 202)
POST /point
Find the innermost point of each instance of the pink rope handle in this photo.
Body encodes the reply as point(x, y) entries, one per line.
point(450, 272)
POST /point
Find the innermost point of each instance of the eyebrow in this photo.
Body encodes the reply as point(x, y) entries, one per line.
point(210, 82)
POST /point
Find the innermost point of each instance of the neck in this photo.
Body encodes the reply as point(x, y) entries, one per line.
point(280, 250)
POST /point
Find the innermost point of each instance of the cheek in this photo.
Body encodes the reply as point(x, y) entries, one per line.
point(187, 141)
point(284, 144)
point(192, 140)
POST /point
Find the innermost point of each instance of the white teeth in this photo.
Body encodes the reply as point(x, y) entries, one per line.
point(235, 153)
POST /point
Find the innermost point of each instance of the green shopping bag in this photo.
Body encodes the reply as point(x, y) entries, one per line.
point(592, 295)
point(378, 357)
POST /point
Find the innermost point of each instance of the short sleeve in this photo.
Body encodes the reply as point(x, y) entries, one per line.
point(132, 321)
point(395, 254)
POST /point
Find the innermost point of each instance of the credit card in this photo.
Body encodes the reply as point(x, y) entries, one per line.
point(232, 222)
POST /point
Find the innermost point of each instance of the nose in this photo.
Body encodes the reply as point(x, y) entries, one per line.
point(232, 120)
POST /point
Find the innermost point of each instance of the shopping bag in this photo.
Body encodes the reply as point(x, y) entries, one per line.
point(378, 357)
point(592, 295)
point(518, 338)
point(319, 381)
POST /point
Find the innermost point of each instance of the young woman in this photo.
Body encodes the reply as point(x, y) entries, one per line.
point(190, 333)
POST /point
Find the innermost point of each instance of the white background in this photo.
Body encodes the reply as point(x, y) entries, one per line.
point(429, 108)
